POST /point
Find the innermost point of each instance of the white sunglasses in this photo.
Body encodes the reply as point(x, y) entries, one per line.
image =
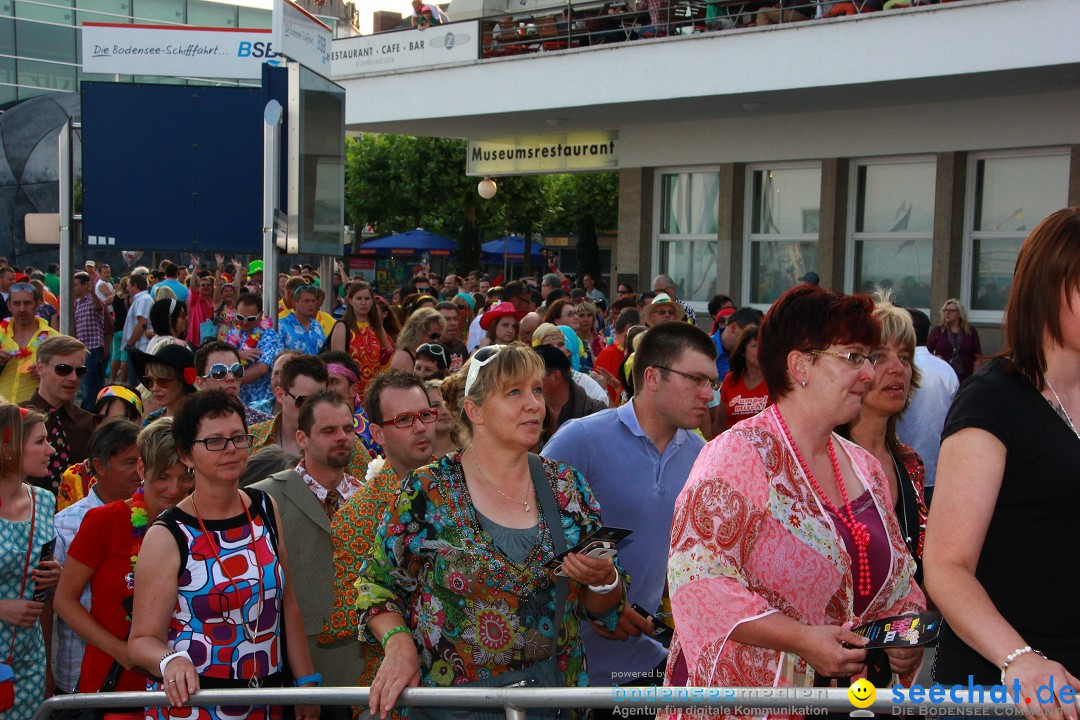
point(476, 362)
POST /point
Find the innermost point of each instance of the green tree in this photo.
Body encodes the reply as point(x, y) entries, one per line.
point(584, 203)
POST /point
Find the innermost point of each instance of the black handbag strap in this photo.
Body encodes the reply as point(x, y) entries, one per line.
point(546, 497)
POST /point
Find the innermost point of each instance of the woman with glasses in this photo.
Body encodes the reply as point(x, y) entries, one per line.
point(168, 373)
point(810, 542)
point(424, 325)
point(874, 428)
point(1006, 491)
point(955, 340)
point(218, 367)
point(361, 334)
point(214, 602)
point(456, 590)
point(103, 556)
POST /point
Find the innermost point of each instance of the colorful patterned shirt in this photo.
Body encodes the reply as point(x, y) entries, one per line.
point(255, 394)
point(346, 488)
point(472, 612)
point(293, 335)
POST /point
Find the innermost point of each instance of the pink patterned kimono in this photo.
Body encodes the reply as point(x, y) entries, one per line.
point(751, 538)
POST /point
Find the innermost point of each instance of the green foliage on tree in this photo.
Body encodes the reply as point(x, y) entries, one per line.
point(398, 183)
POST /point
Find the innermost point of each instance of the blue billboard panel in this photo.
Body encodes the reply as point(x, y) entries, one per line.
point(172, 168)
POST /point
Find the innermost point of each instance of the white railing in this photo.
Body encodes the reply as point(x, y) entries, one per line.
point(634, 700)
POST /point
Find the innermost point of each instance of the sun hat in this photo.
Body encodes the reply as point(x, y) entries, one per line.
point(497, 312)
point(661, 299)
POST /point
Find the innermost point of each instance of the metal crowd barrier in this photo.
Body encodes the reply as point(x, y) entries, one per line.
point(631, 701)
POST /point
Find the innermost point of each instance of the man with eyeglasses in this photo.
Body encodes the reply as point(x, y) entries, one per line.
point(403, 422)
point(20, 336)
point(218, 367)
point(636, 459)
point(90, 330)
point(301, 377)
point(308, 496)
point(663, 283)
point(258, 345)
point(61, 364)
point(301, 329)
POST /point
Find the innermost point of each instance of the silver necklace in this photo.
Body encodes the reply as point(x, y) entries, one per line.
point(484, 477)
point(1060, 409)
point(903, 503)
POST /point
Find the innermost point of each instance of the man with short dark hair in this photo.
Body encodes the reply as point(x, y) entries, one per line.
point(654, 434)
point(137, 322)
point(403, 421)
point(450, 287)
point(90, 330)
point(451, 335)
point(218, 367)
point(595, 294)
point(114, 466)
point(308, 497)
point(171, 281)
point(565, 399)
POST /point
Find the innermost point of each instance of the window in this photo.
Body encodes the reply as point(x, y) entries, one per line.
point(783, 215)
point(1008, 195)
point(892, 228)
point(158, 11)
point(689, 205)
point(107, 11)
point(211, 14)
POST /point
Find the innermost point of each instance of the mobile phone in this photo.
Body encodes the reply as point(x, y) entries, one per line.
point(46, 554)
point(663, 631)
point(608, 535)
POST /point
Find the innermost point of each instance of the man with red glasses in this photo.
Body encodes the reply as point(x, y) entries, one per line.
point(403, 422)
point(258, 345)
point(61, 364)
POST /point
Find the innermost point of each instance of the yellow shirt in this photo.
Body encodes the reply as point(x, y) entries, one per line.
point(327, 321)
point(17, 385)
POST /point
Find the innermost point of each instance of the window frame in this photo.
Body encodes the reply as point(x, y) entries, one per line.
point(852, 209)
point(967, 282)
point(658, 238)
point(749, 237)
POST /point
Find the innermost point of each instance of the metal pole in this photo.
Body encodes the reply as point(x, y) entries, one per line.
point(67, 249)
point(271, 184)
point(326, 280)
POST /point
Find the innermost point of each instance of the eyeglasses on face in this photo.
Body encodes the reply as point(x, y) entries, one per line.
point(406, 420)
point(63, 370)
point(217, 444)
point(698, 380)
point(424, 290)
point(219, 371)
point(248, 318)
point(149, 382)
point(855, 359)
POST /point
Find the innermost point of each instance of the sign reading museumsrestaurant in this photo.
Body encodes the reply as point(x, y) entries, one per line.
point(563, 152)
point(176, 51)
point(450, 44)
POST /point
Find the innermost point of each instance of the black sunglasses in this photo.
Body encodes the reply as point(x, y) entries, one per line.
point(298, 400)
point(63, 369)
point(220, 371)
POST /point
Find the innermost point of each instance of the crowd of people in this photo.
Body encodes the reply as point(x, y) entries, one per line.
point(392, 493)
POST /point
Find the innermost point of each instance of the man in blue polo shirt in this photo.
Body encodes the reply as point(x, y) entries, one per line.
point(636, 459)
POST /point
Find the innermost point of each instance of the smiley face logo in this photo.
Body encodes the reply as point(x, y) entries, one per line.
point(862, 693)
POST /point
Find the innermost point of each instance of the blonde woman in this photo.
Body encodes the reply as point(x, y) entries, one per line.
point(954, 340)
point(424, 325)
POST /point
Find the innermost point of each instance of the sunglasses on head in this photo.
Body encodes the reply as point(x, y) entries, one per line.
point(248, 318)
point(220, 371)
point(481, 358)
point(63, 370)
point(303, 288)
point(22, 287)
point(149, 382)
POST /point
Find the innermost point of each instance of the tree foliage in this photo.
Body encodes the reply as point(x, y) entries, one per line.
point(397, 183)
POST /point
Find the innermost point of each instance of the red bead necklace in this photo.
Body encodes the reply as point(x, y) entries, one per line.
point(859, 533)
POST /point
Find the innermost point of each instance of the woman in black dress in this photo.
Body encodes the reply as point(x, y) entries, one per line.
point(1004, 513)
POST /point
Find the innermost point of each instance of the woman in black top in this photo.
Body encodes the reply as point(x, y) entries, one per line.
point(1003, 522)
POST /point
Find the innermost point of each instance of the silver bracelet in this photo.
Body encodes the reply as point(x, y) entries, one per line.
point(1013, 656)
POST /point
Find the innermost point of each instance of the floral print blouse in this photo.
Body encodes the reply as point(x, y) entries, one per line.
point(474, 614)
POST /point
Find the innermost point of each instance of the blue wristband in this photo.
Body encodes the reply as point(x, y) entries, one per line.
point(312, 678)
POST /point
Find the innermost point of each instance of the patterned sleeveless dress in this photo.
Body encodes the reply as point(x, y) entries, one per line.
point(209, 614)
point(29, 653)
point(366, 352)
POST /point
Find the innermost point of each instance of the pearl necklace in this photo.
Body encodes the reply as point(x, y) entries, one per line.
point(859, 534)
